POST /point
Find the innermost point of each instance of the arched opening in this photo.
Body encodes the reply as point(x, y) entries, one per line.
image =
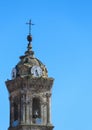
point(36, 111)
point(15, 122)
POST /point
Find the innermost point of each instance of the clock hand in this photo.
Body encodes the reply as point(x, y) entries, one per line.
point(36, 72)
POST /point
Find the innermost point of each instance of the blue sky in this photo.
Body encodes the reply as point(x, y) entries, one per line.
point(62, 40)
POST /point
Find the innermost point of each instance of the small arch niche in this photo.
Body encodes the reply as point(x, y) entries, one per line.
point(36, 111)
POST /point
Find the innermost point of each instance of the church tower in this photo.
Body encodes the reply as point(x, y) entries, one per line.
point(30, 91)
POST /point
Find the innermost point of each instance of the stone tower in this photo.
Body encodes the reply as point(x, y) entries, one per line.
point(30, 94)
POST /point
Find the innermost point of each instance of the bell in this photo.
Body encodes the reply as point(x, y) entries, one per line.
point(35, 115)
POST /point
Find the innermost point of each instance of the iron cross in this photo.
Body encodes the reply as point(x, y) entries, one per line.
point(30, 24)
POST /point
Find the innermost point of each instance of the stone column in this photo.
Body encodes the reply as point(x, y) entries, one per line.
point(11, 111)
point(44, 111)
point(30, 110)
point(42, 114)
point(27, 109)
point(21, 109)
point(48, 95)
point(24, 108)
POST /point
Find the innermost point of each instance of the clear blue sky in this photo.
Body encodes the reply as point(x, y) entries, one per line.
point(62, 40)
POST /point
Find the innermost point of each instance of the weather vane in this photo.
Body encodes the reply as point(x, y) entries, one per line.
point(30, 24)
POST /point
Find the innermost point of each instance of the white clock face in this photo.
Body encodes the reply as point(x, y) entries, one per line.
point(36, 71)
point(13, 73)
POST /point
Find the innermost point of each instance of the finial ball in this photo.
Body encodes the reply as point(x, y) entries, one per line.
point(29, 38)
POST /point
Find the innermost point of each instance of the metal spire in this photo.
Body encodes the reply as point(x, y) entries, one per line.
point(29, 38)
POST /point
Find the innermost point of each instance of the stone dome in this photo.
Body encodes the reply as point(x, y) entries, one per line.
point(29, 66)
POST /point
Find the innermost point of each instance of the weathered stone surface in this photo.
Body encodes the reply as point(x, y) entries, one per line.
point(33, 84)
point(32, 127)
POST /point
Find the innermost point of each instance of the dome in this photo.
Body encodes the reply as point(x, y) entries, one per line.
point(29, 66)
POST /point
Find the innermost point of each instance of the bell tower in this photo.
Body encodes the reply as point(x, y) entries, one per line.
point(30, 91)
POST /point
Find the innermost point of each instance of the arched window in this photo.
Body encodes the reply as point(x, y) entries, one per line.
point(36, 111)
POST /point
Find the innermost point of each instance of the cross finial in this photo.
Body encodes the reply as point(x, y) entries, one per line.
point(30, 24)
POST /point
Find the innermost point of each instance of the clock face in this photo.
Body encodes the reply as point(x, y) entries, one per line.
point(14, 73)
point(36, 71)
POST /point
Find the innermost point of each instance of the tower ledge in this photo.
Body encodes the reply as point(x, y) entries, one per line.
point(34, 84)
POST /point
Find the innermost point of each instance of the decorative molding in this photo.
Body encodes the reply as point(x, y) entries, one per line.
point(33, 84)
